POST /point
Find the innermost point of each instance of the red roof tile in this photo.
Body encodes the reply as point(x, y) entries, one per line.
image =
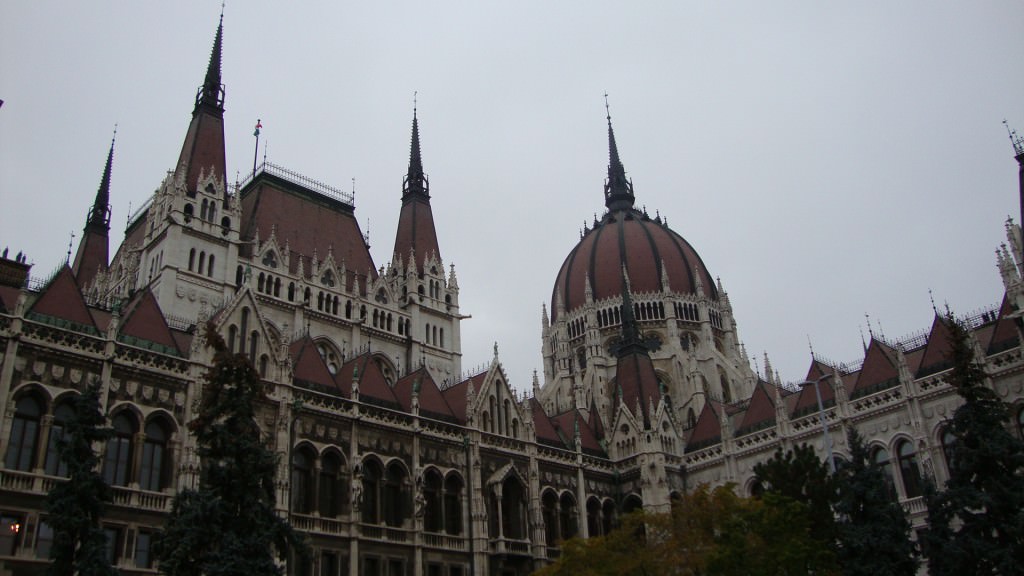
point(62, 299)
point(432, 402)
point(306, 222)
point(143, 319)
point(760, 412)
point(708, 430)
point(878, 371)
point(308, 366)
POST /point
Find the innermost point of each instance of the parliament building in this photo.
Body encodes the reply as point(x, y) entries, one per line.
point(392, 460)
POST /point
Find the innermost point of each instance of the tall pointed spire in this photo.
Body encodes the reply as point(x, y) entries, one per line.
point(415, 181)
point(416, 234)
point(202, 153)
point(211, 93)
point(618, 191)
point(99, 215)
point(94, 249)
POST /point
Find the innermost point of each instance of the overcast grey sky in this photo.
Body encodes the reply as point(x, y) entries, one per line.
point(827, 160)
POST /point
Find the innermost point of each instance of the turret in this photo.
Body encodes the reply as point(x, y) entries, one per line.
point(416, 234)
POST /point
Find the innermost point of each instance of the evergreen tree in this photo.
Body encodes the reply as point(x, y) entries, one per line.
point(977, 520)
point(74, 507)
point(228, 527)
point(799, 475)
point(874, 534)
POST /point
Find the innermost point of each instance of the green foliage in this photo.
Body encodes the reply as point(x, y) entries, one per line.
point(977, 520)
point(710, 532)
point(874, 534)
point(799, 475)
point(228, 527)
point(74, 507)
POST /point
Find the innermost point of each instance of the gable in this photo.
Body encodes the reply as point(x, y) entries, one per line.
point(61, 304)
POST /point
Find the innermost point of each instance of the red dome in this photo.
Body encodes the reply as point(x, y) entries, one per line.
point(628, 238)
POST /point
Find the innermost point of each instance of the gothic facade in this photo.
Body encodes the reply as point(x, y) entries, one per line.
point(392, 460)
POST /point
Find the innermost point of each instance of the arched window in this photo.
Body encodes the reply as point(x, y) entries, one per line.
point(118, 459)
point(232, 337)
point(371, 492)
point(55, 465)
point(513, 509)
point(209, 266)
point(593, 517)
point(909, 471)
point(154, 457)
point(259, 282)
point(567, 522)
point(202, 262)
point(881, 459)
point(433, 516)
point(21, 449)
point(264, 362)
point(254, 342)
point(331, 486)
point(277, 287)
point(191, 259)
point(453, 504)
point(394, 505)
point(607, 516)
point(291, 291)
point(948, 444)
point(302, 481)
point(549, 512)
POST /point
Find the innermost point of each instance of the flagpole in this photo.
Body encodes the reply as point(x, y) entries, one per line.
point(256, 151)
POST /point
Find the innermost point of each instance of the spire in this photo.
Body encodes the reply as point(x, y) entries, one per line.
point(416, 234)
point(631, 342)
point(211, 93)
point(618, 191)
point(202, 154)
point(99, 216)
point(94, 249)
point(415, 181)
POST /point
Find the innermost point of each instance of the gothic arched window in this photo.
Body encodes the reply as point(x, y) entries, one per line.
point(55, 465)
point(153, 474)
point(21, 448)
point(118, 459)
point(909, 470)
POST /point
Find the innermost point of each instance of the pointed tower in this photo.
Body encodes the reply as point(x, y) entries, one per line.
point(93, 250)
point(618, 191)
point(416, 233)
point(202, 153)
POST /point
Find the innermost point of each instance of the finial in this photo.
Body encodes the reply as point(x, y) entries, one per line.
point(607, 109)
point(932, 298)
point(810, 347)
point(1015, 140)
point(415, 93)
point(71, 242)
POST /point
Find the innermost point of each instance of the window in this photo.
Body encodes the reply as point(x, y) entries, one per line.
point(24, 435)
point(393, 503)
point(453, 504)
point(55, 466)
point(331, 486)
point(371, 492)
point(11, 529)
point(113, 536)
point(433, 519)
point(44, 540)
point(117, 463)
point(302, 481)
point(328, 564)
point(909, 471)
point(948, 446)
point(881, 459)
point(143, 549)
point(154, 456)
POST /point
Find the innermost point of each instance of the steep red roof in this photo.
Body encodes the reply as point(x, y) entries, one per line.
point(308, 366)
point(567, 422)
point(544, 427)
point(307, 222)
point(142, 320)
point(373, 387)
point(1004, 333)
point(879, 370)
point(708, 430)
point(62, 299)
point(455, 394)
point(8, 298)
point(936, 351)
point(432, 402)
point(760, 412)
point(635, 376)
